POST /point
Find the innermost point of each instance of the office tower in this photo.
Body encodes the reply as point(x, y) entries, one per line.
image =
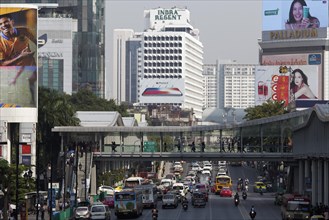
point(239, 85)
point(210, 77)
point(118, 83)
point(172, 60)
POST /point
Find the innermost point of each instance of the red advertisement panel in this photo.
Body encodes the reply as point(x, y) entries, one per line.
point(26, 149)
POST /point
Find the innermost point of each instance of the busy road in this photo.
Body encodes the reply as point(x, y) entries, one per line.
point(223, 207)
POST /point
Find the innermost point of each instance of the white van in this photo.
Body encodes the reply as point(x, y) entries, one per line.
point(131, 182)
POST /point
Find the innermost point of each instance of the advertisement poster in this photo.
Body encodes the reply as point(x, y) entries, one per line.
point(295, 83)
point(162, 90)
point(294, 14)
point(312, 59)
point(18, 56)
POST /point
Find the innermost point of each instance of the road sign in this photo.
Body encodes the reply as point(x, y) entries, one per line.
point(149, 146)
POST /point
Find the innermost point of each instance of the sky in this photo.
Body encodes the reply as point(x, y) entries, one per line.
point(229, 29)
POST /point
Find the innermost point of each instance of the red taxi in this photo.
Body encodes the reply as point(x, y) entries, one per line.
point(226, 192)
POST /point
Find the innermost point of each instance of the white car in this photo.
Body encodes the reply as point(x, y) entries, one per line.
point(182, 189)
point(207, 166)
point(196, 167)
point(206, 172)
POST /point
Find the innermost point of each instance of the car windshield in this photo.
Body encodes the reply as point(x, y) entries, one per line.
point(98, 209)
point(200, 186)
point(81, 209)
point(178, 187)
point(168, 196)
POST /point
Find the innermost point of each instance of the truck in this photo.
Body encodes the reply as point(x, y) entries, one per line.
point(295, 207)
point(150, 195)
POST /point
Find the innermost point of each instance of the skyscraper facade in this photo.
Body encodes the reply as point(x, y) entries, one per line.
point(239, 86)
point(210, 77)
point(168, 63)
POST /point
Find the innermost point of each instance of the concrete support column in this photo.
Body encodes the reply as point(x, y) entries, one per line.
point(314, 182)
point(326, 182)
point(307, 167)
point(320, 182)
point(301, 177)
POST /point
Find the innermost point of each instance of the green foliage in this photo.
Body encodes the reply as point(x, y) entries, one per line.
point(85, 100)
point(110, 178)
point(267, 109)
point(8, 182)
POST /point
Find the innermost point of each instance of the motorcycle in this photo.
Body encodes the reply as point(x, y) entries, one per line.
point(252, 214)
point(185, 206)
point(154, 214)
point(236, 201)
point(244, 196)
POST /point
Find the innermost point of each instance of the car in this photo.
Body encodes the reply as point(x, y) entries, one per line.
point(202, 188)
point(259, 187)
point(196, 167)
point(198, 199)
point(180, 187)
point(109, 201)
point(226, 192)
point(100, 211)
point(221, 163)
point(317, 217)
point(206, 172)
point(172, 177)
point(207, 166)
point(190, 178)
point(221, 172)
point(169, 200)
point(82, 212)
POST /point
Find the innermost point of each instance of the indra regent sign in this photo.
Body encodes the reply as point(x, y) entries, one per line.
point(167, 14)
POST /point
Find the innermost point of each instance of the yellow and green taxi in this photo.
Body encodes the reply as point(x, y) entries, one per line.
point(259, 187)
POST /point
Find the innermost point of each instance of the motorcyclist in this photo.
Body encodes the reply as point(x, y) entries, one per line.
point(236, 196)
point(155, 212)
point(184, 201)
point(244, 194)
point(252, 212)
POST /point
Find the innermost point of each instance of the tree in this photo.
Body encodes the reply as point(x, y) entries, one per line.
point(267, 109)
point(54, 109)
point(8, 186)
point(85, 100)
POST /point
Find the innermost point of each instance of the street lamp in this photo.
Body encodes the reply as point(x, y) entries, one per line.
point(80, 168)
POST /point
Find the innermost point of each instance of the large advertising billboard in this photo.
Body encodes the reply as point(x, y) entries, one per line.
point(18, 56)
point(294, 14)
point(162, 91)
point(286, 83)
point(18, 63)
point(312, 59)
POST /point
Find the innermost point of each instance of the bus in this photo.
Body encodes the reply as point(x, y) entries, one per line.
point(128, 202)
point(295, 207)
point(222, 181)
point(131, 182)
point(150, 194)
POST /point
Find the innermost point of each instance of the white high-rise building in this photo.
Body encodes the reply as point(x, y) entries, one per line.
point(168, 64)
point(210, 77)
point(117, 90)
point(172, 61)
point(239, 85)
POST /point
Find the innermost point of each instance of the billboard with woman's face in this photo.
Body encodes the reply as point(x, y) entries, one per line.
point(286, 83)
point(18, 62)
point(294, 14)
